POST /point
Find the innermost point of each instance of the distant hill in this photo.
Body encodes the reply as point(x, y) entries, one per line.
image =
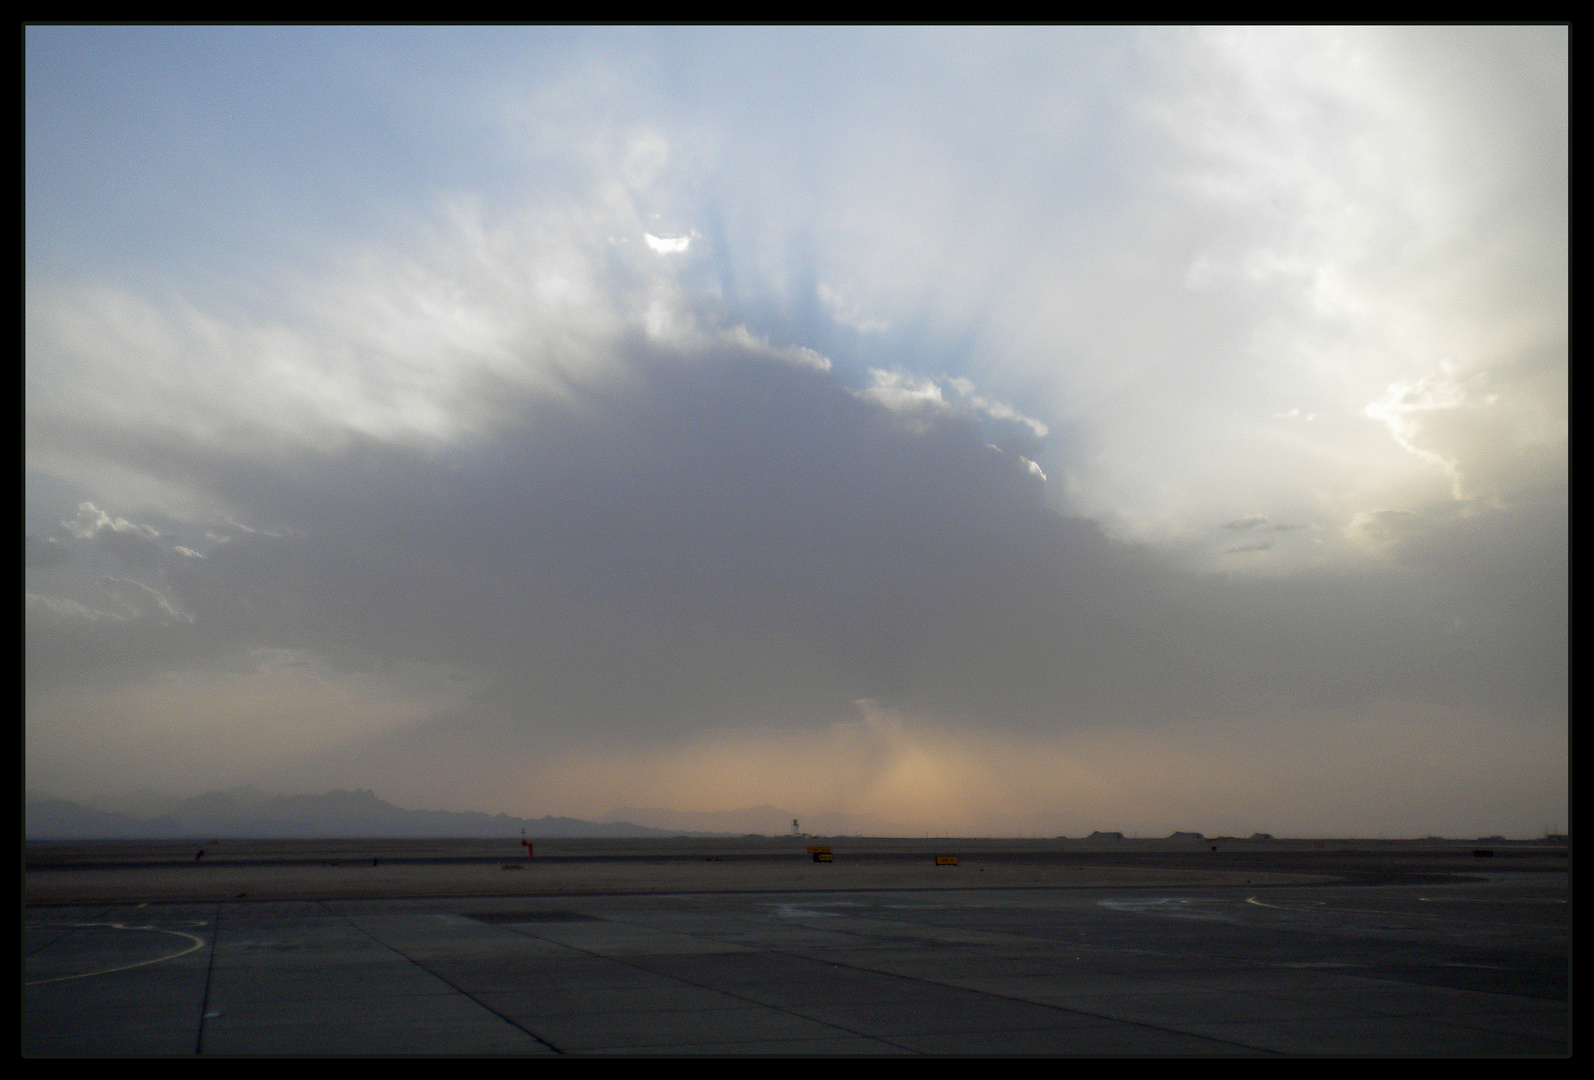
point(247, 814)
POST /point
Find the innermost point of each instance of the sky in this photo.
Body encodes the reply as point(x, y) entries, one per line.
point(1013, 431)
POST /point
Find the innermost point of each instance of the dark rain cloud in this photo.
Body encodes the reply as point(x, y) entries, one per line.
point(729, 539)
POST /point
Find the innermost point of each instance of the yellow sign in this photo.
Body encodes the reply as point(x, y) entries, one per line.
point(822, 856)
point(819, 851)
point(946, 860)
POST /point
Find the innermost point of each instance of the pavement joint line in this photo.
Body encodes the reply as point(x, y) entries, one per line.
point(210, 969)
point(704, 1048)
point(1355, 1011)
point(927, 982)
point(718, 990)
point(515, 929)
point(1064, 1009)
point(1321, 906)
point(442, 979)
point(41, 946)
point(1488, 900)
point(1451, 1022)
point(1009, 997)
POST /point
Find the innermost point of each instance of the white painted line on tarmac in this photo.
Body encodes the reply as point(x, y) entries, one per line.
point(198, 943)
point(1297, 906)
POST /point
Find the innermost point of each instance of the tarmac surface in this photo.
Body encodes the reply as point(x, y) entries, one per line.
point(1375, 954)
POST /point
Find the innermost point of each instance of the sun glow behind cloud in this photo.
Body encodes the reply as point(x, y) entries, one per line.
point(668, 246)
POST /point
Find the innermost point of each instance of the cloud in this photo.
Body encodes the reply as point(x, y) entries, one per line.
point(1278, 162)
point(1315, 186)
point(997, 410)
point(668, 246)
point(45, 552)
point(489, 501)
point(1402, 406)
point(245, 720)
point(744, 538)
point(849, 314)
point(393, 349)
point(878, 768)
point(903, 393)
point(914, 396)
point(738, 544)
point(744, 339)
point(142, 601)
point(57, 609)
point(90, 520)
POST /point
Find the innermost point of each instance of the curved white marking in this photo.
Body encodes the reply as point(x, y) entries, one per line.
point(792, 911)
point(1282, 907)
point(198, 943)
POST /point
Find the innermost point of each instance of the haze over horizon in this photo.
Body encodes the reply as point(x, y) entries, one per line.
point(991, 431)
point(247, 813)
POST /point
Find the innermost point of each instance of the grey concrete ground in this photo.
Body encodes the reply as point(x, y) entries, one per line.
point(1461, 968)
